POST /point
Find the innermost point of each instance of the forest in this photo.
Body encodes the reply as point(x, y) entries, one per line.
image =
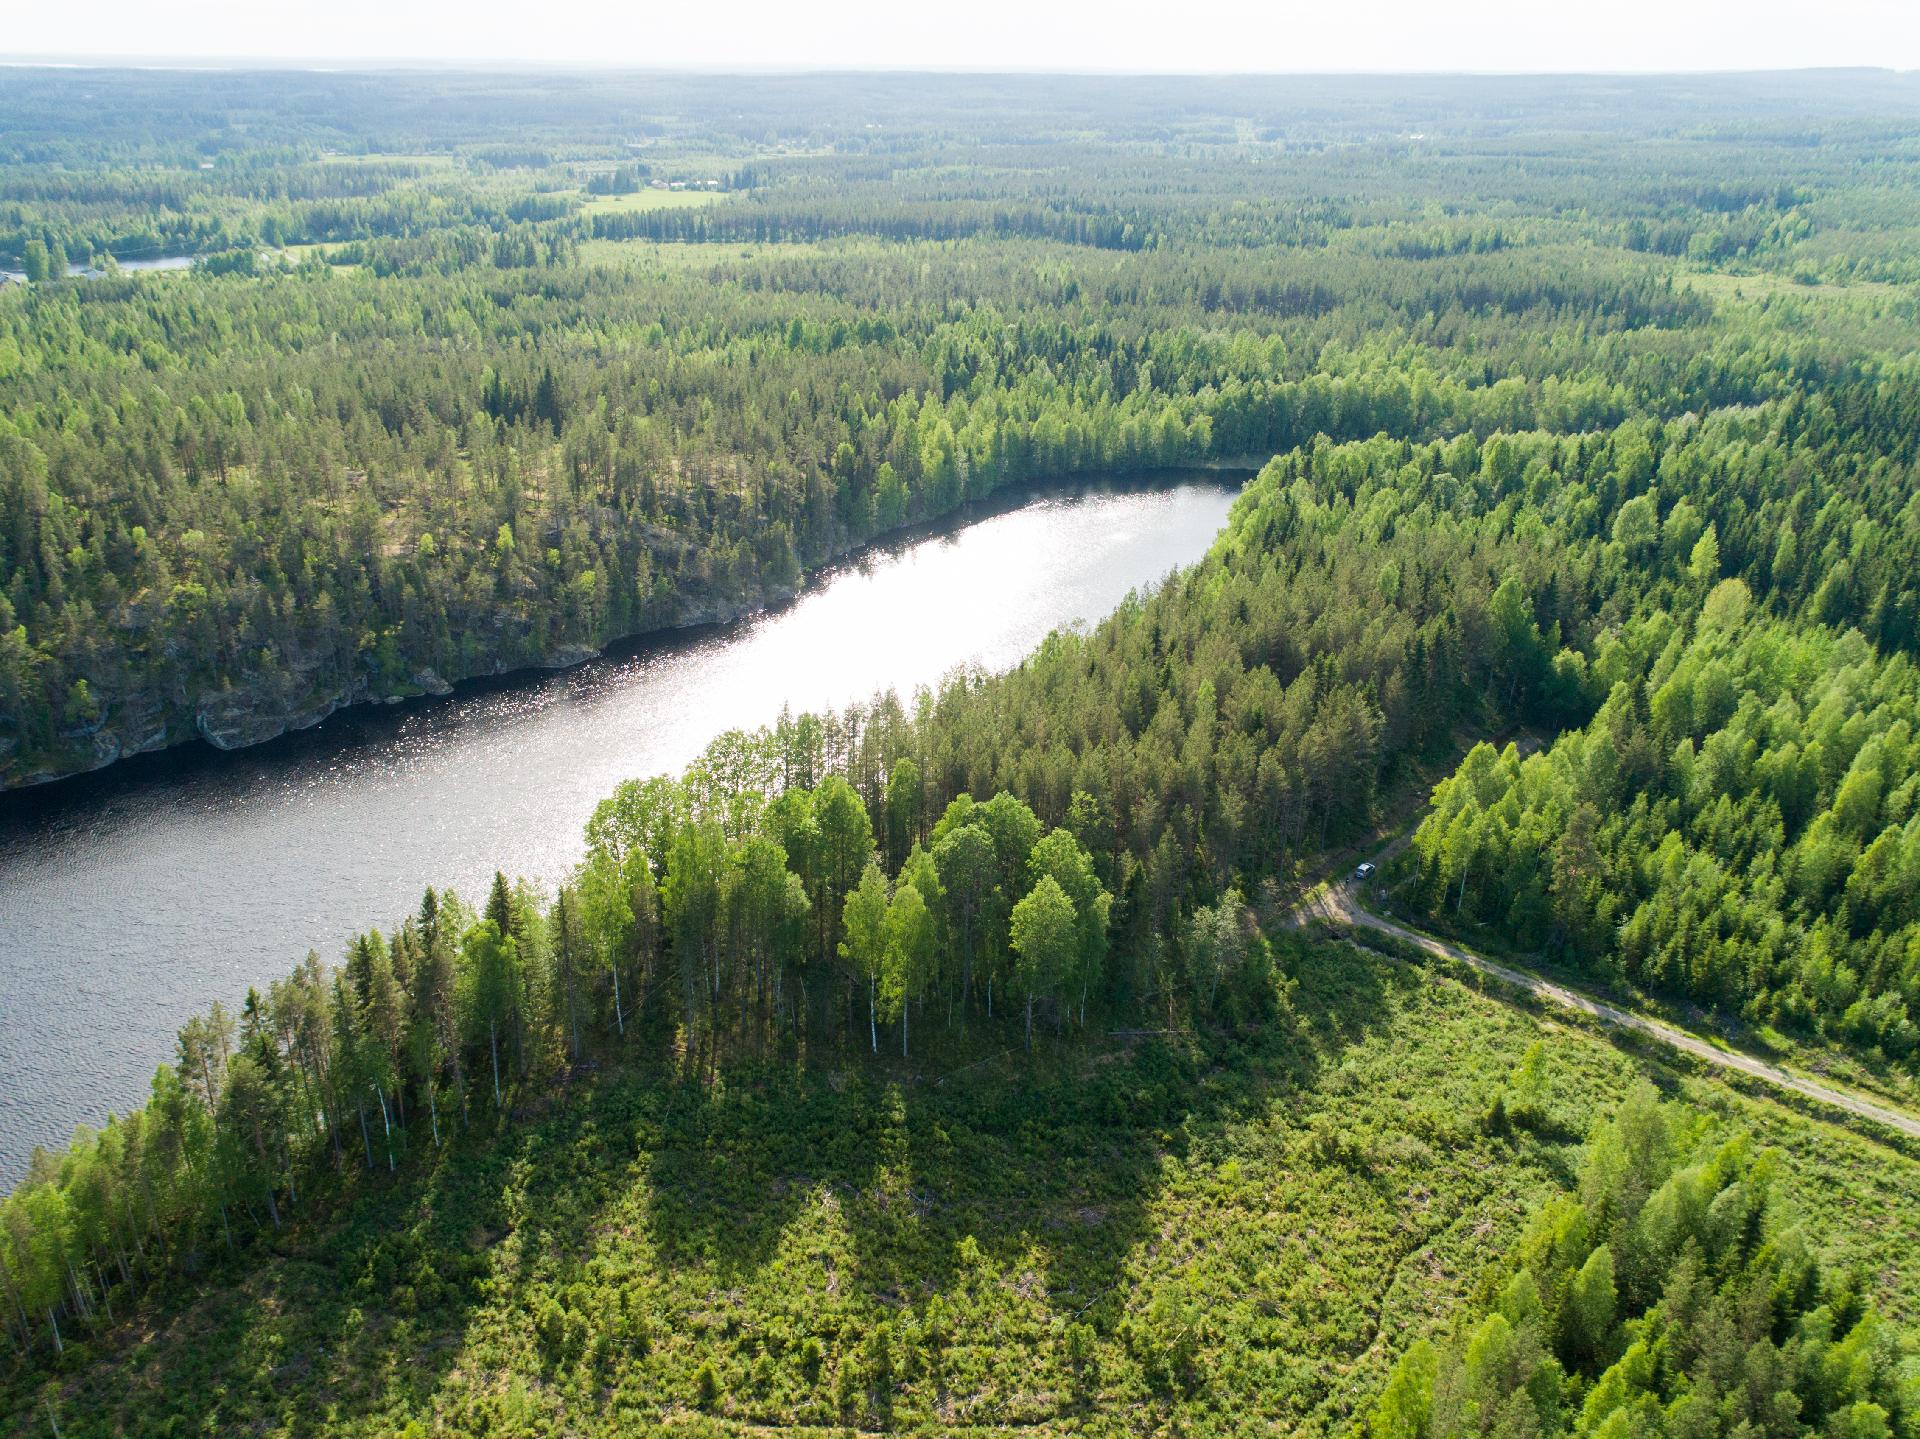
point(953, 1063)
point(1736, 827)
point(589, 423)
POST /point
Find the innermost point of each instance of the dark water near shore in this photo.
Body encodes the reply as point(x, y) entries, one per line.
point(133, 898)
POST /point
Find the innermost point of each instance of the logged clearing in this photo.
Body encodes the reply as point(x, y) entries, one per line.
point(1280, 1213)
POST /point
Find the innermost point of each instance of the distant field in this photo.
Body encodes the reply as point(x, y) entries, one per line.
point(1759, 286)
point(650, 200)
point(294, 254)
point(380, 159)
point(651, 254)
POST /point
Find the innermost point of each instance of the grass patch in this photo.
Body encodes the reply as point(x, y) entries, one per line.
point(1763, 284)
point(650, 199)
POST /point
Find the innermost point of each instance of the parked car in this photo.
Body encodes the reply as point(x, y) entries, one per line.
point(1363, 873)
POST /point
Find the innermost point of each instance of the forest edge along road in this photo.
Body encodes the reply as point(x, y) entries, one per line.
point(1337, 902)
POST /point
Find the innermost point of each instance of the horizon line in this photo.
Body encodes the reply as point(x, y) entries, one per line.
point(324, 64)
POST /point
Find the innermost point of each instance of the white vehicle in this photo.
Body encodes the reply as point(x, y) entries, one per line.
point(1363, 873)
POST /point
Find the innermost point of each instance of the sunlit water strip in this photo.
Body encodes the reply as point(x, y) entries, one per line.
point(132, 899)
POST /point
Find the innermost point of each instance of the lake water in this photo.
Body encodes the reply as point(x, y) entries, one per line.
point(133, 898)
point(127, 267)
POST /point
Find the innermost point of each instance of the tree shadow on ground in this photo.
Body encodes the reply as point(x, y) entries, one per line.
point(1060, 1153)
point(1039, 1171)
point(322, 1297)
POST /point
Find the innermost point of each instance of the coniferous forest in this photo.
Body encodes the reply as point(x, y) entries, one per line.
point(959, 1062)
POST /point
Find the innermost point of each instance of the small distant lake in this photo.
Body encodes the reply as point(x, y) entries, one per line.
point(87, 272)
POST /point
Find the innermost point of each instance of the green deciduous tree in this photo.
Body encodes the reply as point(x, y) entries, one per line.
point(1046, 943)
point(864, 941)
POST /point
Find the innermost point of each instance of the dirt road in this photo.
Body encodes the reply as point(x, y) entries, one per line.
point(1339, 903)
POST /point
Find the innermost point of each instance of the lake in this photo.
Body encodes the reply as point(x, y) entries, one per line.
point(133, 898)
point(127, 267)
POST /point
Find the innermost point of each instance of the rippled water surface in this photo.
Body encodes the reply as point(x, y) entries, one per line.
point(133, 898)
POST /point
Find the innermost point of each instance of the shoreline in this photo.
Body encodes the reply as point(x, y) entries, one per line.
point(163, 741)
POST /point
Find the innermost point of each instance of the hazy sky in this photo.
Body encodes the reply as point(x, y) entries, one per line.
point(1242, 35)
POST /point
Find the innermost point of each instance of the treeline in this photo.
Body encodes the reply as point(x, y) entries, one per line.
point(762, 223)
point(1736, 826)
point(786, 925)
point(1667, 1294)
